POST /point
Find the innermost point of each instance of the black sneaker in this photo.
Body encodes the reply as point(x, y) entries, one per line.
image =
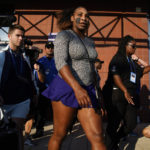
point(28, 142)
point(38, 134)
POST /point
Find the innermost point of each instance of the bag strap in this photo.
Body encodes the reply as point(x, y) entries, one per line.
point(92, 68)
point(90, 60)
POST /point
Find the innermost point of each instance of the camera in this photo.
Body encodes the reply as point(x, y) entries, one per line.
point(32, 52)
point(28, 42)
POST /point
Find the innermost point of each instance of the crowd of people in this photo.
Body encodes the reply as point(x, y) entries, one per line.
point(65, 82)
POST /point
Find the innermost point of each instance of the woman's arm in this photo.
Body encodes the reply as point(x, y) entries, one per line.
point(139, 61)
point(80, 93)
point(118, 82)
point(146, 69)
point(142, 63)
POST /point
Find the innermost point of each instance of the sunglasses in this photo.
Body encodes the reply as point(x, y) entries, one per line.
point(132, 45)
point(49, 46)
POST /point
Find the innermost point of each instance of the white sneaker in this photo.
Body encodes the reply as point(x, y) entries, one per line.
point(28, 142)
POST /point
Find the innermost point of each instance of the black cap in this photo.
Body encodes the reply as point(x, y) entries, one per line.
point(98, 60)
point(49, 45)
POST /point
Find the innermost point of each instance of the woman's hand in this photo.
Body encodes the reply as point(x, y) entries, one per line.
point(134, 57)
point(80, 93)
point(120, 84)
point(128, 98)
point(82, 97)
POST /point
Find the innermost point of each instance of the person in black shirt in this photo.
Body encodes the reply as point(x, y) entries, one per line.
point(120, 92)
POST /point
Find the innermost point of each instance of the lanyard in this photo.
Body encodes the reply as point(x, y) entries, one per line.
point(132, 66)
point(14, 61)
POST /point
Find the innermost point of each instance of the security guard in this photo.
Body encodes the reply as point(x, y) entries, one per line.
point(123, 100)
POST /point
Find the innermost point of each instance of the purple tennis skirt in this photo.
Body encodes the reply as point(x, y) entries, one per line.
point(59, 90)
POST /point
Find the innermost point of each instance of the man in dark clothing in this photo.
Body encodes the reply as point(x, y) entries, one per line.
point(16, 86)
point(45, 72)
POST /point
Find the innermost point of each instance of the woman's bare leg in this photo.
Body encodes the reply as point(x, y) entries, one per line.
point(62, 116)
point(92, 124)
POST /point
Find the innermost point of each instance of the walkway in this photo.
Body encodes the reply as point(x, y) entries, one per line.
point(78, 141)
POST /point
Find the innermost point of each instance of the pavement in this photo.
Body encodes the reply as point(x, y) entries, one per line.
point(78, 141)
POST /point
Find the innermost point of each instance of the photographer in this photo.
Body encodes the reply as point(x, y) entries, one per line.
point(45, 72)
point(31, 54)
